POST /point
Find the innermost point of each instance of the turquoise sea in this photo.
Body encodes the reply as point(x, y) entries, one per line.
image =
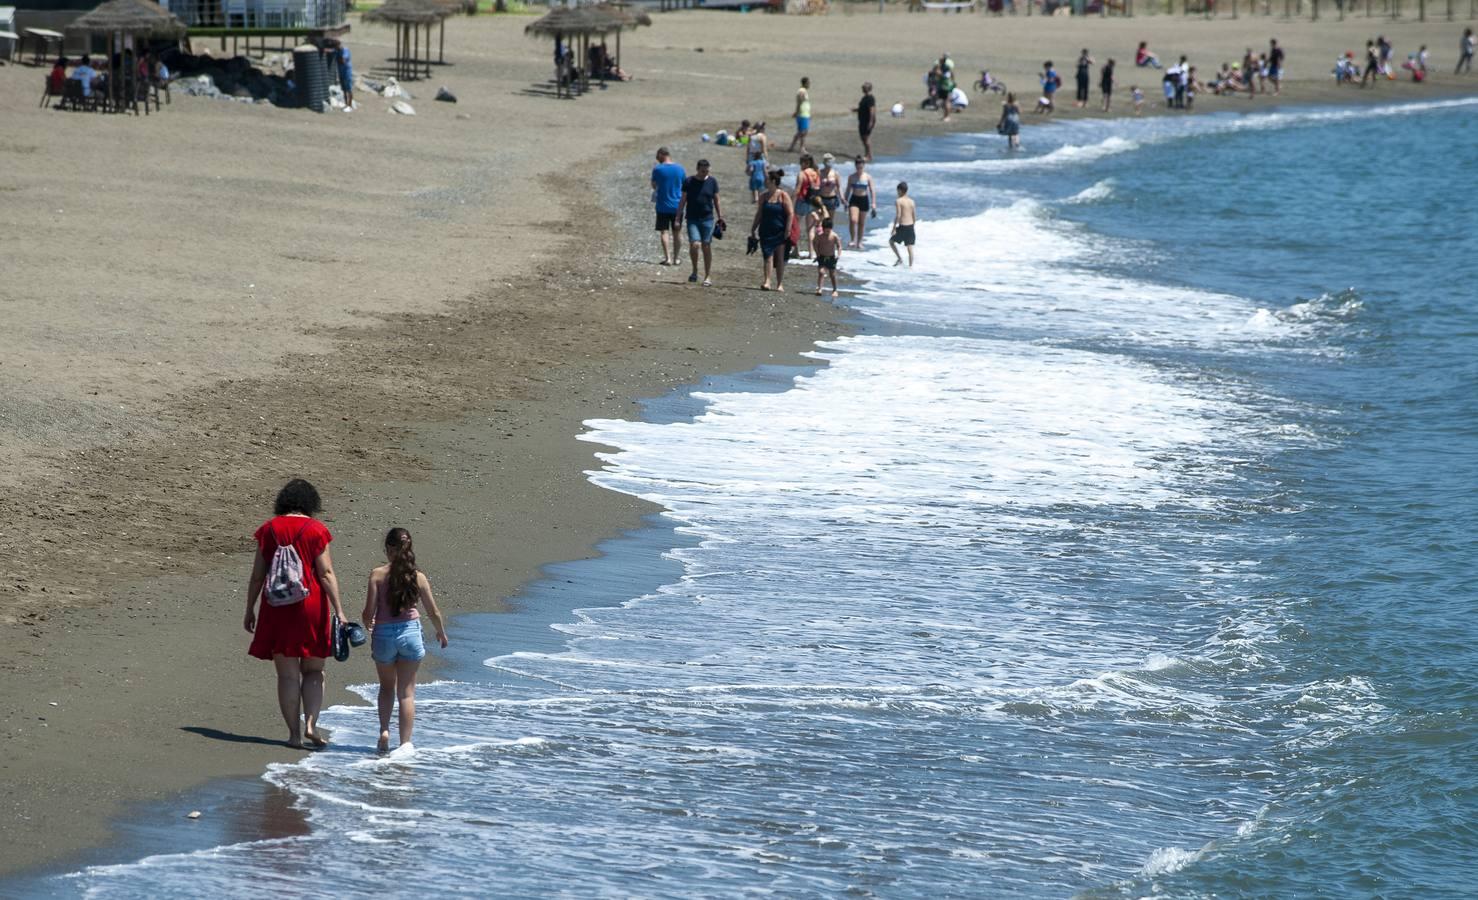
point(1127, 551)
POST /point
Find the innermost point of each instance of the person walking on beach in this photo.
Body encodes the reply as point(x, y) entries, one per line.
point(905, 216)
point(1275, 66)
point(756, 178)
point(831, 186)
point(774, 216)
point(395, 591)
point(1106, 83)
point(1084, 79)
point(867, 119)
point(807, 194)
point(1010, 124)
point(1465, 53)
point(667, 195)
point(828, 255)
point(700, 204)
point(862, 200)
point(802, 116)
point(759, 144)
point(1249, 72)
point(1372, 64)
point(293, 576)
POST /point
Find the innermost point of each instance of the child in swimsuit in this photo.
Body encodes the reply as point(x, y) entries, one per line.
point(828, 247)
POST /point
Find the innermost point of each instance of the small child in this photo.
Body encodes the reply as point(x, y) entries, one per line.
point(395, 590)
point(756, 168)
point(1138, 96)
point(905, 215)
point(828, 248)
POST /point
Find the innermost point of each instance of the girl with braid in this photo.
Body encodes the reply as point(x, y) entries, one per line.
point(396, 589)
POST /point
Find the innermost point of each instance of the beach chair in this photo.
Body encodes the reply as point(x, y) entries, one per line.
point(47, 95)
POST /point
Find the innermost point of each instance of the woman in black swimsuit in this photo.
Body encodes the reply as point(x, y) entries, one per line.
point(1085, 77)
point(773, 217)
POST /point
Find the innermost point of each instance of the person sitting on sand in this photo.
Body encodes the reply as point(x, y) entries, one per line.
point(293, 576)
point(905, 216)
point(395, 590)
point(828, 246)
point(1143, 57)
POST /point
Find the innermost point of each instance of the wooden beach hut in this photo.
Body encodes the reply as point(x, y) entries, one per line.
point(410, 18)
point(126, 24)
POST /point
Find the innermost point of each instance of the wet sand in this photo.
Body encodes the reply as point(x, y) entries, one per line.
point(415, 312)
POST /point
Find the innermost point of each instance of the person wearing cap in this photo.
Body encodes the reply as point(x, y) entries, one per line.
point(700, 204)
point(867, 119)
point(667, 196)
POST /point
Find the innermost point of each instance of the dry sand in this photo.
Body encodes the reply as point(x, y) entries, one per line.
point(415, 312)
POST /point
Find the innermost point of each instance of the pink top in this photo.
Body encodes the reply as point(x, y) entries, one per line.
point(382, 607)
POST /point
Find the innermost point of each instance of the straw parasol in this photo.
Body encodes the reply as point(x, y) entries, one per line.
point(121, 19)
point(409, 17)
point(627, 16)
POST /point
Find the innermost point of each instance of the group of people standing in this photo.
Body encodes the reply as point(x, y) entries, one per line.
point(301, 621)
point(795, 221)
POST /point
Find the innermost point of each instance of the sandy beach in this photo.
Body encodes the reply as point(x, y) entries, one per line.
point(416, 313)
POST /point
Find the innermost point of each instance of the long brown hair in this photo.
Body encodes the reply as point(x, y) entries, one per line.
point(401, 587)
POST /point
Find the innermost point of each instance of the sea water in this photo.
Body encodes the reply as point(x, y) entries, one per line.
point(1129, 550)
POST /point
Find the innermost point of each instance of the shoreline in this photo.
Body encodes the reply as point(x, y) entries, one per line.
point(476, 556)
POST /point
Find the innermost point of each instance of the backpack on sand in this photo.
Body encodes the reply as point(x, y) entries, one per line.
point(285, 582)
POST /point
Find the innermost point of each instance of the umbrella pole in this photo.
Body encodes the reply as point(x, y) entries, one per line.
point(441, 50)
point(618, 49)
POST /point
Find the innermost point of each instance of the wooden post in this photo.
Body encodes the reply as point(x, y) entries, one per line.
point(441, 50)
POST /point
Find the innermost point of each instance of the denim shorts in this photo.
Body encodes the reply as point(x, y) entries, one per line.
point(701, 231)
point(396, 641)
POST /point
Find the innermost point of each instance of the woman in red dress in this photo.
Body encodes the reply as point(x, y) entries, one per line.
point(296, 637)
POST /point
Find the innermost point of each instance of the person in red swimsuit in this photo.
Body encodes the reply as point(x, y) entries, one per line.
point(297, 637)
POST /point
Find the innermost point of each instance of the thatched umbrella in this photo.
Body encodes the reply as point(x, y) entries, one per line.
point(409, 17)
point(628, 17)
point(574, 22)
point(120, 19)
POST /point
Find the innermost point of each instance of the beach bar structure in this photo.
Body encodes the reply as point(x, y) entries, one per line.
point(126, 25)
point(410, 18)
point(288, 21)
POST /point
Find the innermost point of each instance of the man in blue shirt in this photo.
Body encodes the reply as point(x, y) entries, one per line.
point(667, 196)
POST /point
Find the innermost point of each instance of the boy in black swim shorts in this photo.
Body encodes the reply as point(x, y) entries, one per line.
point(828, 249)
point(905, 216)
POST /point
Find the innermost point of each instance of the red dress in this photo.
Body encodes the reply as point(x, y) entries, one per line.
point(299, 629)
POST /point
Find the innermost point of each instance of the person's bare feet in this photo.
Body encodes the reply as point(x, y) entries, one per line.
point(779, 289)
point(818, 292)
point(765, 286)
point(834, 295)
point(318, 742)
point(384, 745)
